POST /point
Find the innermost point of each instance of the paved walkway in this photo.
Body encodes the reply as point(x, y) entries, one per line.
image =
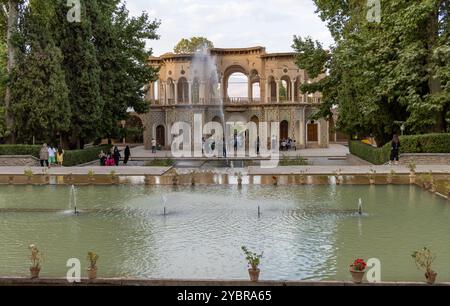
point(335, 150)
point(4, 281)
point(123, 171)
point(157, 171)
point(347, 170)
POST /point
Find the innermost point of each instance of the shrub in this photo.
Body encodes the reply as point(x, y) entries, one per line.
point(160, 163)
point(20, 150)
point(376, 156)
point(78, 157)
point(428, 143)
point(296, 161)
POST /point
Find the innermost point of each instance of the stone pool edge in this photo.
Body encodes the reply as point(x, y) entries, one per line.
point(120, 282)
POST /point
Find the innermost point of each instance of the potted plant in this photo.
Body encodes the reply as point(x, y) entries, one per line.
point(412, 173)
point(91, 176)
point(92, 270)
point(390, 176)
point(113, 176)
point(358, 270)
point(254, 260)
point(424, 260)
point(36, 260)
point(372, 176)
point(29, 174)
point(274, 180)
point(239, 178)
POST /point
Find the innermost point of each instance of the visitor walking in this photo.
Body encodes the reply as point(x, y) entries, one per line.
point(395, 152)
point(60, 156)
point(153, 146)
point(109, 160)
point(116, 156)
point(127, 155)
point(43, 155)
point(102, 157)
point(51, 155)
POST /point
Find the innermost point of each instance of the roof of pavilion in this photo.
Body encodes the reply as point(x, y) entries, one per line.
point(224, 51)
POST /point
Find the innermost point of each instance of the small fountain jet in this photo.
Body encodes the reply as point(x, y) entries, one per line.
point(360, 207)
point(73, 200)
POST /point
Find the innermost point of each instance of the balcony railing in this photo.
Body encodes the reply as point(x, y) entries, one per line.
point(235, 101)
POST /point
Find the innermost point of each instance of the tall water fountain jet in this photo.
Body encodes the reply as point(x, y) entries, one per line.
point(206, 83)
point(73, 200)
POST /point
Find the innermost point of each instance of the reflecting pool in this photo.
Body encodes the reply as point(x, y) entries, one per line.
point(305, 232)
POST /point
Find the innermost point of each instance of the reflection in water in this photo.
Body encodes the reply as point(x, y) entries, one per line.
point(306, 232)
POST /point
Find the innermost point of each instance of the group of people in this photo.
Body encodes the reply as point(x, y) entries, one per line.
point(288, 144)
point(49, 155)
point(113, 157)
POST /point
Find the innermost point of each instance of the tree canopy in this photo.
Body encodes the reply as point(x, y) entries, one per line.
point(75, 81)
point(192, 45)
point(380, 74)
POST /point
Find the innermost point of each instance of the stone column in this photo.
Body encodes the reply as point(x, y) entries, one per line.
point(293, 91)
point(323, 133)
point(250, 90)
point(176, 92)
point(278, 91)
point(190, 92)
point(222, 89)
point(302, 140)
point(164, 85)
point(267, 96)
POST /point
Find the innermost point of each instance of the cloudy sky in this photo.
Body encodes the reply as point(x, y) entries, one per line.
point(233, 23)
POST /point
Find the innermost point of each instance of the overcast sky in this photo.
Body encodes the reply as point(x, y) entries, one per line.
point(233, 23)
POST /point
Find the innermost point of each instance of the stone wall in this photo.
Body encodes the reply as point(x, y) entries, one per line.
point(17, 160)
point(425, 159)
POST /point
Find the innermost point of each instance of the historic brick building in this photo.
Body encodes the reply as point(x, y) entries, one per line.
point(186, 87)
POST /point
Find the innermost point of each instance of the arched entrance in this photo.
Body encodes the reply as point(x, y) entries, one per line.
point(183, 91)
point(313, 132)
point(161, 135)
point(284, 130)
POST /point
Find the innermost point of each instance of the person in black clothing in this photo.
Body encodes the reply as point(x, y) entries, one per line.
point(116, 156)
point(127, 155)
point(257, 145)
point(395, 152)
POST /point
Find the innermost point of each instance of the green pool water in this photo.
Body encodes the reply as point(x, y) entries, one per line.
point(305, 232)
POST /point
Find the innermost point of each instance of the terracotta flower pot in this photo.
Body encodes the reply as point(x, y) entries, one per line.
point(254, 274)
point(357, 276)
point(34, 271)
point(92, 273)
point(431, 277)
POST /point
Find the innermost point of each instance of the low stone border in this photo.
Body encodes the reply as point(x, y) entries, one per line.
point(189, 283)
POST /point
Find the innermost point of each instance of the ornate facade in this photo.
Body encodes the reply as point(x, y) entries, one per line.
point(273, 94)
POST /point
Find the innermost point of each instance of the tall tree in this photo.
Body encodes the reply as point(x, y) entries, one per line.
point(192, 45)
point(123, 59)
point(12, 14)
point(382, 73)
point(82, 71)
point(38, 89)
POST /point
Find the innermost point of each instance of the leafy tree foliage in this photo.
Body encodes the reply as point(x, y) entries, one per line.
point(379, 74)
point(192, 45)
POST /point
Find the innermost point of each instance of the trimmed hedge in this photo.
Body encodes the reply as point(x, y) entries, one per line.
point(79, 157)
point(20, 150)
point(428, 143)
point(376, 156)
